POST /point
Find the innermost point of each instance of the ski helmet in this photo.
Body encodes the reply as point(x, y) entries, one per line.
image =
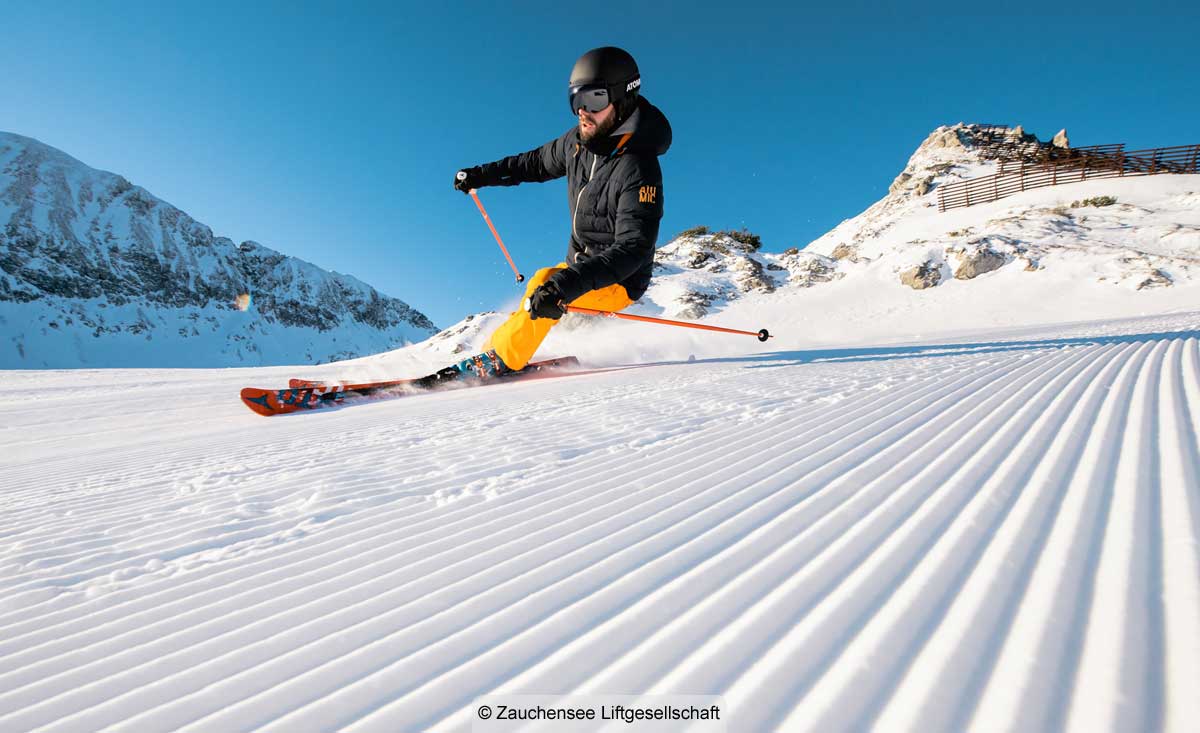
point(612, 69)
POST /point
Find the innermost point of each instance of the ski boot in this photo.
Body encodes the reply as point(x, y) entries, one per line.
point(481, 366)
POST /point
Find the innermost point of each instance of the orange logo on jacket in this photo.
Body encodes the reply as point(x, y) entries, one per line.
point(647, 194)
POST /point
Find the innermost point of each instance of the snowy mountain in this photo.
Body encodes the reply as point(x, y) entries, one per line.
point(95, 271)
point(1098, 238)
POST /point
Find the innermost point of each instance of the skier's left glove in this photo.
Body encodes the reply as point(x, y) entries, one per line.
point(469, 178)
point(546, 302)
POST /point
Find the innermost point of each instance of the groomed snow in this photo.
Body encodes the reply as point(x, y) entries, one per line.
point(996, 532)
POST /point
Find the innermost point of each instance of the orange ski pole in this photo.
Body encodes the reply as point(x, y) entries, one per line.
point(762, 334)
point(488, 219)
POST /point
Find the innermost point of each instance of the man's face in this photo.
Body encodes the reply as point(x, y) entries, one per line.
point(596, 124)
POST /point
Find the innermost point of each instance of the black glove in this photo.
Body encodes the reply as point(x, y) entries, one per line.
point(546, 302)
point(468, 178)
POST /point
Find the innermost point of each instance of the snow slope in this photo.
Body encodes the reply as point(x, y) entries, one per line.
point(1079, 255)
point(993, 532)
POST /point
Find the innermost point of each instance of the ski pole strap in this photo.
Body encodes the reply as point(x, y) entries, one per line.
point(488, 219)
point(762, 335)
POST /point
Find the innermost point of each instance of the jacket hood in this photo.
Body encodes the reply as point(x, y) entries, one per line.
point(653, 131)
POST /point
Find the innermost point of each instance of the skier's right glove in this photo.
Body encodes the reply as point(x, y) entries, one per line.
point(468, 178)
point(546, 302)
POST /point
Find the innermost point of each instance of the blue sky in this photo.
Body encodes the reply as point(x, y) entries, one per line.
point(331, 131)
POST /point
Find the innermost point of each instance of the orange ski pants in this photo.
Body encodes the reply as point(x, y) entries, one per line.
point(520, 336)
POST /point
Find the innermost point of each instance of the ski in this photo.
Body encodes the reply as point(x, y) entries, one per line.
point(533, 366)
point(304, 394)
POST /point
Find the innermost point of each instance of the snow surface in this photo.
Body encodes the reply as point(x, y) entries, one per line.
point(996, 532)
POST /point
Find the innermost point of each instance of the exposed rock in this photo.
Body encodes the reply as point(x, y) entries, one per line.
point(900, 182)
point(751, 277)
point(845, 252)
point(922, 276)
point(1060, 140)
point(977, 262)
point(1157, 279)
point(946, 138)
point(695, 304)
point(810, 269)
point(708, 250)
point(907, 181)
point(945, 150)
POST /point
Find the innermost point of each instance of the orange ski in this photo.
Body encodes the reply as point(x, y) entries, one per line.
point(303, 394)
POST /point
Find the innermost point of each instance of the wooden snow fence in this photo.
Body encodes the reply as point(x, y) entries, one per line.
point(1051, 166)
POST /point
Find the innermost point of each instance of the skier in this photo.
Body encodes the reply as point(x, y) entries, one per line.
point(615, 197)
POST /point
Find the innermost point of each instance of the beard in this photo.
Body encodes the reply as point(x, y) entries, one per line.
point(600, 130)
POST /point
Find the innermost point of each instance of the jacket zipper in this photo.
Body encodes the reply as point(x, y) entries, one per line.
point(579, 196)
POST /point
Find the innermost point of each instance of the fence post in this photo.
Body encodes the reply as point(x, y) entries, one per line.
point(1195, 150)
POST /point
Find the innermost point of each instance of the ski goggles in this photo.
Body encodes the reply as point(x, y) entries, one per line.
point(590, 97)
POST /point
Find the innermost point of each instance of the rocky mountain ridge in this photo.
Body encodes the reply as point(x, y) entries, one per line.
point(97, 271)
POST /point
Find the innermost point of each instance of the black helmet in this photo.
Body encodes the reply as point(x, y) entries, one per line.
point(612, 69)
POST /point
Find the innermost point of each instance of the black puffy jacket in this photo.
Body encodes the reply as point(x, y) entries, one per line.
point(614, 191)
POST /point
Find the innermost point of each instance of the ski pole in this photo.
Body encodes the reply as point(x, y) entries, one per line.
point(520, 278)
point(762, 334)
